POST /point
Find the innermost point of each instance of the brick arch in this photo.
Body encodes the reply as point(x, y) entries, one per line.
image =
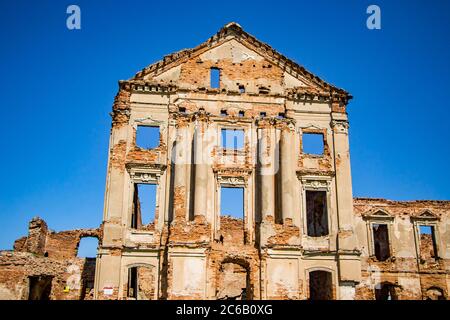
point(435, 293)
point(233, 279)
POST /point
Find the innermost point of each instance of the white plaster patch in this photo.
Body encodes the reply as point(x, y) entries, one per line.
point(347, 292)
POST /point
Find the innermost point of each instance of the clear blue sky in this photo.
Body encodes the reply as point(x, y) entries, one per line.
point(57, 88)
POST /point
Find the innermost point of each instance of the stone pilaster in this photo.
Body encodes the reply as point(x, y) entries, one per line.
point(182, 161)
point(201, 168)
point(267, 171)
point(287, 171)
point(349, 262)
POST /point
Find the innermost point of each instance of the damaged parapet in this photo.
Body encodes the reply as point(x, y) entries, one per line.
point(44, 265)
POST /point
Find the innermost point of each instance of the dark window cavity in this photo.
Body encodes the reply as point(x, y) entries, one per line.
point(320, 285)
point(381, 241)
point(40, 287)
point(385, 291)
point(132, 287)
point(316, 213)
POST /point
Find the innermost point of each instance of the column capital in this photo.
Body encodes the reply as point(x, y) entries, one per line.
point(340, 126)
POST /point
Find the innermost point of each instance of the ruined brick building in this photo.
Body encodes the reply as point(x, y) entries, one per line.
point(234, 113)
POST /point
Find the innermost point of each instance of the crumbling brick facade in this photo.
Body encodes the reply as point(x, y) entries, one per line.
point(302, 235)
point(44, 265)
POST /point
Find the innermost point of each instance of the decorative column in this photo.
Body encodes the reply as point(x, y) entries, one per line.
point(267, 169)
point(287, 171)
point(201, 166)
point(181, 159)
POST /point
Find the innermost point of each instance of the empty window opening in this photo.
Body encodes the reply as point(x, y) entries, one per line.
point(316, 213)
point(264, 90)
point(232, 139)
point(144, 205)
point(312, 143)
point(385, 291)
point(87, 247)
point(232, 202)
point(381, 241)
point(241, 89)
point(281, 115)
point(241, 113)
point(182, 110)
point(234, 282)
point(147, 137)
point(141, 283)
point(223, 112)
point(40, 287)
point(262, 114)
point(428, 248)
point(320, 285)
point(215, 78)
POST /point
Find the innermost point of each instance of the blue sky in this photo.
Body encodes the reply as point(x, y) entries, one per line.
point(58, 86)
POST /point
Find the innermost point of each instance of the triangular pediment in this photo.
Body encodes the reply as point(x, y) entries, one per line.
point(378, 214)
point(243, 59)
point(427, 214)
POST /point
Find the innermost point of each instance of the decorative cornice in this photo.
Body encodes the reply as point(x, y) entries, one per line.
point(321, 173)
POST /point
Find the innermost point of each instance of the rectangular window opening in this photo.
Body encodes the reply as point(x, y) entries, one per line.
point(223, 112)
point(215, 78)
point(241, 89)
point(232, 202)
point(232, 139)
point(262, 114)
point(428, 248)
point(144, 205)
point(381, 241)
point(312, 143)
point(147, 137)
point(316, 213)
point(241, 114)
